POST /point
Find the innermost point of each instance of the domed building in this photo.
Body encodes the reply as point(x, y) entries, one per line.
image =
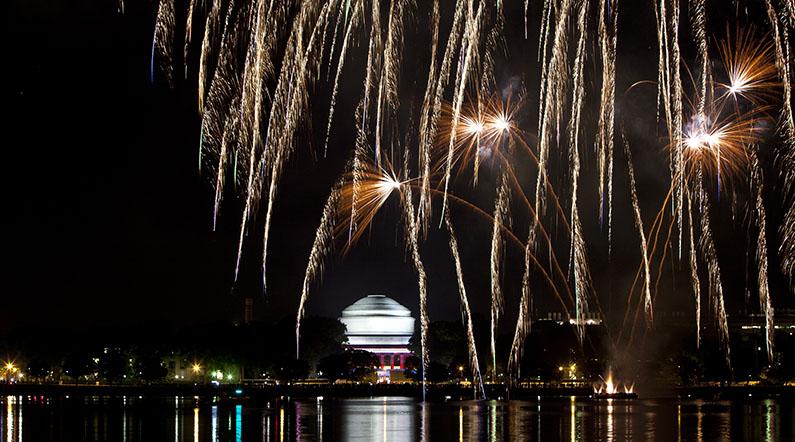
point(380, 325)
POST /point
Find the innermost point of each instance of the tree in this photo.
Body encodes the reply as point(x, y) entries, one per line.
point(150, 367)
point(320, 337)
point(293, 369)
point(38, 368)
point(77, 365)
point(113, 364)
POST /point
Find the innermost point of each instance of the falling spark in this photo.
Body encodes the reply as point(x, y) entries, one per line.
point(501, 206)
point(644, 251)
point(231, 125)
point(699, 24)
point(188, 35)
point(694, 270)
point(340, 65)
point(608, 31)
point(713, 269)
point(428, 125)
point(163, 41)
point(765, 304)
point(577, 253)
point(553, 86)
point(207, 45)
point(471, 37)
point(413, 233)
point(467, 315)
point(787, 229)
point(321, 247)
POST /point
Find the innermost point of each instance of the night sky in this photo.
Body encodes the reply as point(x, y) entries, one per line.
point(107, 218)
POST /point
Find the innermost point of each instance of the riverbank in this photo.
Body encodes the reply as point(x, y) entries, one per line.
point(434, 391)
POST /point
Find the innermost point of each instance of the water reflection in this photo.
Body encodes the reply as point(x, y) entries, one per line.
point(391, 419)
point(195, 424)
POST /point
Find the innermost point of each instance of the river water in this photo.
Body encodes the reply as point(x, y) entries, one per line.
point(37, 418)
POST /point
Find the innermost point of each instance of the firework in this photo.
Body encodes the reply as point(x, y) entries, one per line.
point(259, 61)
point(471, 35)
point(750, 67)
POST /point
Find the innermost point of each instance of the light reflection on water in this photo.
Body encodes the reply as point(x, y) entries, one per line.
point(36, 418)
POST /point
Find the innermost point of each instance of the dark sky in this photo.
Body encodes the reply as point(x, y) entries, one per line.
point(106, 217)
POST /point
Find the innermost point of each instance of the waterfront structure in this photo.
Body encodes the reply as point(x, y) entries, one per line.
point(380, 325)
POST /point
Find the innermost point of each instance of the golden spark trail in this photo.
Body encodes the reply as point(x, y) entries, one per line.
point(694, 269)
point(444, 76)
point(510, 235)
point(501, 218)
point(608, 32)
point(163, 41)
point(413, 233)
point(340, 64)
point(467, 315)
point(306, 68)
point(765, 304)
point(471, 37)
point(188, 35)
point(230, 127)
point(207, 45)
point(361, 116)
point(699, 23)
point(428, 125)
point(713, 269)
point(523, 321)
point(388, 84)
point(647, 304)
point(577, 256)
point(677, 116)
point(553, 87)
point(335, 35)
point(787, 229)
point(321, 247)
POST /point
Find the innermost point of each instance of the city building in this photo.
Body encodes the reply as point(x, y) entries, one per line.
point(380, 325)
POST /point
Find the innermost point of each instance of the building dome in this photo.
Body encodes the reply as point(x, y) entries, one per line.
point(378, 323)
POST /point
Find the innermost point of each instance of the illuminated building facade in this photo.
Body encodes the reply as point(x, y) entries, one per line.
point(380, 325)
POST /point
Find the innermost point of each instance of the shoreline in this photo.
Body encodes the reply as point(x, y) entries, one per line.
point(435, 392)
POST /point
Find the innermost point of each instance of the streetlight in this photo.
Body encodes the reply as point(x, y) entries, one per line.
point(196, 368)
